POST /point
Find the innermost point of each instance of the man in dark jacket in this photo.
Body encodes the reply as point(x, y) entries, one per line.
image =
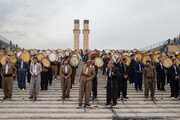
point(119, 89)
point(124, 74)
point(160, 75)
point(138, 74)
point(174, 73)
point(131, 70)
point(22, 69)
point(112, 76)
point(94, 82)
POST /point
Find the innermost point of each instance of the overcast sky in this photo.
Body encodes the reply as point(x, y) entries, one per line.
point(118, 24)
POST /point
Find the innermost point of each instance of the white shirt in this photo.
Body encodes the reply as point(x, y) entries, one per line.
point(35, 70)
point(161, 66)
point(175, 69)
point(110, 72)
point(21, 64)
point(6, 68)
point(65, 69)
point(139, 67)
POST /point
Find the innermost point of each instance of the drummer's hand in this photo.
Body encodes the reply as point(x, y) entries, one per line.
point(66, 77)
point(155, 80)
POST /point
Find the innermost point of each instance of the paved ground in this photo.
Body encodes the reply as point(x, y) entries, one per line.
point(49, 105)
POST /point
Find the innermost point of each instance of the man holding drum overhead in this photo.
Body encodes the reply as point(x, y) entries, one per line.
point(65, 73)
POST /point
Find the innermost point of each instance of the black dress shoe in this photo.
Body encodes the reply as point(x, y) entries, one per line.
point(95, 97)
point(5, 97)
point(114, 104)
point(35, 98)
point(66, 96)
point(154, 99)
point(107, 104)
point(30, 97)
point(10, 98)
point(88, 104)
point(163, 89)
point(125, 97)
point(80, 104)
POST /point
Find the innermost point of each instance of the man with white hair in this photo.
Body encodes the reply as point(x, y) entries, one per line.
point(112, 83)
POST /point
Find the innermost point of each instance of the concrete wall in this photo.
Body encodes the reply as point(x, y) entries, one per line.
point(173, 48)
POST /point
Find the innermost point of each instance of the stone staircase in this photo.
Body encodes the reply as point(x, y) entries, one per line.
point(50, 106)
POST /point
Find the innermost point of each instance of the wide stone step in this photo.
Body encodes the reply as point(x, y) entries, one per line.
point(50, 105)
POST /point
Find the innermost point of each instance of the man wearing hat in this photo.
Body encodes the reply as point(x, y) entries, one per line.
point(85, 79)
point(35, 70)
point(22, 68)
point(8, 71)
point(65, 73)
point(150, 79)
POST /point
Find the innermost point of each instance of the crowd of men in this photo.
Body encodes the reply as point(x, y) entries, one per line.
point(117, 75)
point(38, 76)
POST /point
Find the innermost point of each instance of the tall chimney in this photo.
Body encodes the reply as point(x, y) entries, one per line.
point(86, 32)
point(76, 32)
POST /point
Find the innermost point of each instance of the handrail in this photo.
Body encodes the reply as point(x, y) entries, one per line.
point(6, 41)
point(161, 44)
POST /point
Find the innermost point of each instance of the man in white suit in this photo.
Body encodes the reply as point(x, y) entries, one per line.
point(35, 71)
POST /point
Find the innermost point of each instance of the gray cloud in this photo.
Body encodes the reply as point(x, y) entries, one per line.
point(114, 24)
